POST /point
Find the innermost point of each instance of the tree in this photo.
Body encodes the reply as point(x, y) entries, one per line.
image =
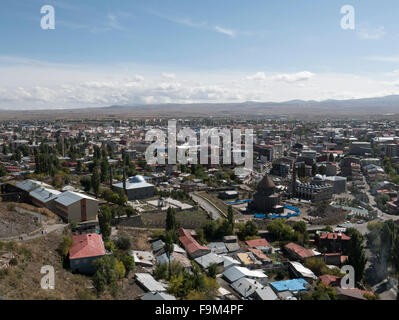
point(65, 245)
point(169, 247)
point(3, 171)
point(230, 218)
point(123, 243)
point(130, 211)
point(104, 220)
point(128, 262)
point(95, 182)
point(314, 169)
point(212, 270)
point(171, 222)
point(357, 258)
point(331, 158)
point(86, 183)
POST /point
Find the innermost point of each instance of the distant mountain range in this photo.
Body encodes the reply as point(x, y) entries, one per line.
point(356, 108)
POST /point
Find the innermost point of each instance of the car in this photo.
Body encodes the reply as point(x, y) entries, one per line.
point(360, 222)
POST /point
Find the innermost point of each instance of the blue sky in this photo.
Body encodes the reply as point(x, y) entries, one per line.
point(160, 51)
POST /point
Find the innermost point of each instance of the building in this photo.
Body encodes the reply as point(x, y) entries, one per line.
point(235, 273)
point(301, 271)
point(85, 249)
point(313, 191)
point(44, 197)
point(297, 252)
point(333, 242)
point(191, 245)
point(360, 148)
point(339, 184)
point(266, 199)
point(78, 207)
point(136, 188)
point(293, 285)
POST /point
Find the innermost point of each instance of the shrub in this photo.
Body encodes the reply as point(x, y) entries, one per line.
point(123, 243)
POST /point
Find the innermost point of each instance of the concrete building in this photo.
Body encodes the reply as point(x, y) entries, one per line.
point(359, 148)
point(313, 192)
point(136, 188)
point(339, 184)
point(78, 207)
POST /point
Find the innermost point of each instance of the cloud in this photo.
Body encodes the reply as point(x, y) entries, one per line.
point(257, 76)
point(34, 84)
point(284, 77)
point(372, 34)
point(168, 75)
point(293, 77)
point(229, 32)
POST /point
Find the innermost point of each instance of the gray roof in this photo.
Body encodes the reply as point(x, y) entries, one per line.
point(157, 296)
point(135, 182)
point(217, 247)
point(158, 245)
point(44, 195)
point(266, 293)
point(69, 197)
point(234, 273)
point(148, 282)
point(246, 287)
point(29, 185)
point(206, 260)
point(232, 247)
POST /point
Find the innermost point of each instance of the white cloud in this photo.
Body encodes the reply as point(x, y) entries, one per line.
point(44, 85)
point(293, 77)
point(257, 76)
point(229, 32)
point(168, 75)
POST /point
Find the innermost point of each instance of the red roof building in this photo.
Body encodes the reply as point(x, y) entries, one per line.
point(298, 252)
point(257, 243)
point(333, 242)
point(330, 280)
point(86, 246)
point(191, 245)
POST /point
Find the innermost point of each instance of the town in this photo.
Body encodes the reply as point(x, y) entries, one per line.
point(79, 195)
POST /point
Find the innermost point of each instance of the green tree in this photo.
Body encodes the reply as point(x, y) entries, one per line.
point(104, 220)
point(86, 183)
point(128, 262)
point(95, 182)
point(171, 222)
point(123, 243)
point(356, 255)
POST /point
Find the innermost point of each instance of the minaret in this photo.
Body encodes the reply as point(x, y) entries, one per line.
point(124, 179)
point(111, 177)
point(294, 180)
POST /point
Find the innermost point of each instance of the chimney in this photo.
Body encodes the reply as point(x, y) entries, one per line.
point(111, 177)
point(124, 179)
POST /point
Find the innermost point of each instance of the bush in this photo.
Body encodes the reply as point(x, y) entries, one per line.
point(123, 243)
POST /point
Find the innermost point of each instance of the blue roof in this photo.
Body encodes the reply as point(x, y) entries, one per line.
point(290, 285)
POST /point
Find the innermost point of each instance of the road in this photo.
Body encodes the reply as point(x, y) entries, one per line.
point(382, 215)
point(48, 228)
point(207, 206)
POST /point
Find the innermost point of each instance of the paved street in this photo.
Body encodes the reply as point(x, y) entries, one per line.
point(207, 206)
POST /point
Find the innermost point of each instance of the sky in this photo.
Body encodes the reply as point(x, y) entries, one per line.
point(122, 52)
